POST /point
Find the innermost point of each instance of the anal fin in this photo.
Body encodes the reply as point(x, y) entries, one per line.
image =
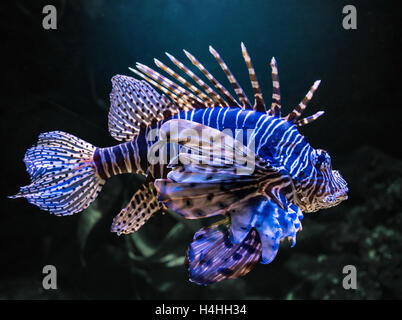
point(141, 207)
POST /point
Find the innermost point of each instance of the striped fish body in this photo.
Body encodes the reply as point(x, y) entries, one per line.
point(273, 139)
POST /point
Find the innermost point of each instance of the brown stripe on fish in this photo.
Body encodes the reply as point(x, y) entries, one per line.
point(126, 156)
point(123, 158)
point(140, 162)
point(119, 159)
point(115, 168)
point(259, 104)
point(106, 161)
point(276, 96)
point(97, 161)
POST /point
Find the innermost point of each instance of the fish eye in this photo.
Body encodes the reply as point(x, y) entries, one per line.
point(321, 159)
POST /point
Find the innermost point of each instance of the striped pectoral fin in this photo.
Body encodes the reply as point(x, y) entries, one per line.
point(207, 141)
point(135, 104)
point(195, 200)
point(216, 174)
point(141, 207)
point(212, 257)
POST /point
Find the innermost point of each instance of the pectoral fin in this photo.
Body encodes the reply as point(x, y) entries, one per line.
point(212, 257)
point(217, 174)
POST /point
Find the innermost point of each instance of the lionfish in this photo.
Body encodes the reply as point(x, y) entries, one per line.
point(263, 205)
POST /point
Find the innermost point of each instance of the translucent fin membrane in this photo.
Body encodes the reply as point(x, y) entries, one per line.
point(141, 207)
point(134, 104)
point(176, 89)
point(63, 177)
point(180, 103)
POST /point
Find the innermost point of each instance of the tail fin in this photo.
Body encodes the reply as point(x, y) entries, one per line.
point(63, 176)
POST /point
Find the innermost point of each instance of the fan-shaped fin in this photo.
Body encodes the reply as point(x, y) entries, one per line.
point(64, 179)
point(211, 257)
point(134, 104)
point(233, 172)
point(141, 207)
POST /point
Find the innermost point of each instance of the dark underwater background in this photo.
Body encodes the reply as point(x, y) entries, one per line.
point(60, 80)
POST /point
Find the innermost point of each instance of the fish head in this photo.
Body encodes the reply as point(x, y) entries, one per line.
point(322, 187)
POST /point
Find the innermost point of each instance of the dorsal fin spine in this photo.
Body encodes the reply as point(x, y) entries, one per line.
point(296, 113)
point(180, 102)
point(201, 97)
point(235, 85)
point(179, 91)
point(259, 104)
point(276, 96)
point(195, 62)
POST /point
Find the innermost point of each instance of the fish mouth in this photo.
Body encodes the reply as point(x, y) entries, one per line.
point(336, 197)
point(329, 201)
